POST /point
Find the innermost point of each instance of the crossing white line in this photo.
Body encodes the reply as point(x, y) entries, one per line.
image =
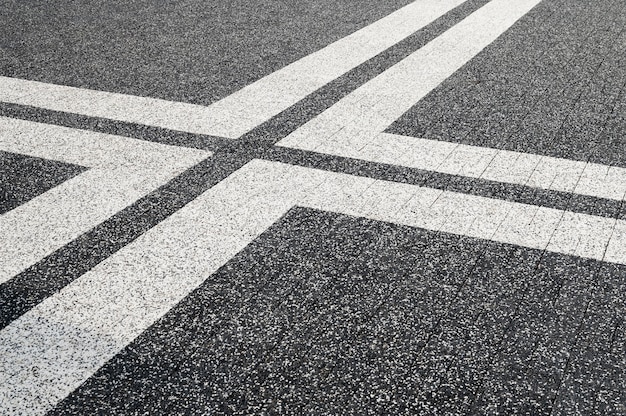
point(49, 351)
point(121, 170)
point(247, 108)
point(545, 172)
point(376, 104)
point(53, 348)
point(352, 127)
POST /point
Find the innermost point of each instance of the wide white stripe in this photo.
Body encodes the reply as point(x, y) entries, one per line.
point(122, 170)
point(499, 165)
point(351, 128)
point(90, 149)
point(49, 351)
point(379, 102)
point(247, 108)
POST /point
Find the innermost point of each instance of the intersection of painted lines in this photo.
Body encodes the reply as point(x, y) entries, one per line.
point(353, 126)
point(505, 166)
point(53, 348)
point(245, 109)
point(120, 171)
point(50, 350)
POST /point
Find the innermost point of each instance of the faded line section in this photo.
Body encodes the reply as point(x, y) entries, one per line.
point(351, 128)
point(121, 170)
point(52, 349)
point(245, 109)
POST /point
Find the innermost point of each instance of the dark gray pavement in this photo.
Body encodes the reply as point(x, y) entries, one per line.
point(328, 314)
point(192, 51)
point(323, 312)
point(553, 85)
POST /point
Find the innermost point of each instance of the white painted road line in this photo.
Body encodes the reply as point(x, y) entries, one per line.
point(545, 172)
point(352, 127)
point(50, 350)
point(245, 109)
point(121, 170)
point(376, 104)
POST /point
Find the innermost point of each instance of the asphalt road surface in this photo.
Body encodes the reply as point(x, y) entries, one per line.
point(313, 207)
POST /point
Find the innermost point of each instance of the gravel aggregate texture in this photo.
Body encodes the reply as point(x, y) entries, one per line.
point(327, 314)
point(312, 207)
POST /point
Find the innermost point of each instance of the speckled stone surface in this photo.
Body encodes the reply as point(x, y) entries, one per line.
point(552, 85)
point(23, 178)
point(329, 314)
point(406, 275)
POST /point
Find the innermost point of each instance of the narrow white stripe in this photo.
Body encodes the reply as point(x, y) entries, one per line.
point(122, 170)
point(49, 351)
point(505, 166)
point(247, 108)
point(351, 128)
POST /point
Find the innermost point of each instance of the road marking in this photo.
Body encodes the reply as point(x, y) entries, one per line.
point(544, 172)
point(254, 104)
point(50, 350)
point(376, 104)
point(53, 348)
point(352, 127)
point(121, 170)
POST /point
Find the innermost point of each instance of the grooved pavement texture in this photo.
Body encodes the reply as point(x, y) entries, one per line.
point(326, 313)
point(553, 85)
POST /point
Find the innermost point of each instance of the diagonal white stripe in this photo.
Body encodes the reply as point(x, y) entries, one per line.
point(122, 170)
point(247, 108)
point(49, 351)
point(376, 104)
point(351, 128)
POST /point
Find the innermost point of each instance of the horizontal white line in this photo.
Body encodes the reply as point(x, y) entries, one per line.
point(71, 334)
point(351, 128)
point(90, 149)
point(122, 170)
point(245, 109)
point(537, 171)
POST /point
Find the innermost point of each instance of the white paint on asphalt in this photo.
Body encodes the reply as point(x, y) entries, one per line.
point(538, 171)
point(247, 108)
point(121, 170)
point(53, 348)
point(352, 127)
